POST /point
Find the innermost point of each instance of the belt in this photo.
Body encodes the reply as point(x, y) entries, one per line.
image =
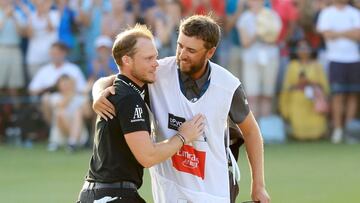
point(118, 185)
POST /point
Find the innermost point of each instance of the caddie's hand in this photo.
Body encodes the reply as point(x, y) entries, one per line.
point(102, 106)
point(193, 128)
point(260, 194)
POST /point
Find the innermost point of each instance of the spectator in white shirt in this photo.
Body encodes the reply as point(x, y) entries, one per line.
point(45, 79)
point(68, 109)
point(11, 69)
point(340, 26)
point(48, 75)
point(42, 33)
point(260, 57)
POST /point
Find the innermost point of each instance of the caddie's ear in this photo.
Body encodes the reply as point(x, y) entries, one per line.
point(210, 53)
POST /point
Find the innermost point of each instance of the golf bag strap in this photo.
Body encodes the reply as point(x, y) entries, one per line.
point(230, 156)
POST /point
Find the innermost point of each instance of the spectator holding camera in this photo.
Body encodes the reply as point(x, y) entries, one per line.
point(260, 55)
point(305, 87)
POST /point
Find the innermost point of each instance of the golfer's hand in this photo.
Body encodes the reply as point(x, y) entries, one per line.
point(260, 194)
point(192, 129)
point(102, 106)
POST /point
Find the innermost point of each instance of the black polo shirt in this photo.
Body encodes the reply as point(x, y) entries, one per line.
point(112, 160)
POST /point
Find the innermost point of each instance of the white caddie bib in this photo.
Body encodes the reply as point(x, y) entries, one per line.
point(199, 171)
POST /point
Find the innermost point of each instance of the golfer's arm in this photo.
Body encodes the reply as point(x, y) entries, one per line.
point(148, 153)
point(102, 84)
point(254, 149)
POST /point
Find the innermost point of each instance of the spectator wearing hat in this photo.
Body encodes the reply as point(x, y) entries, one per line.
point(90, 17)
point(103, 64)
point(259, 27)
point(305, 89)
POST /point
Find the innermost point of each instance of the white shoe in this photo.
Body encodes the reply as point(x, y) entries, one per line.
point(337, 136)
point(52, 147)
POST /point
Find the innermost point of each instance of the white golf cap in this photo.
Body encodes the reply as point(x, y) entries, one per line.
point(103, 41)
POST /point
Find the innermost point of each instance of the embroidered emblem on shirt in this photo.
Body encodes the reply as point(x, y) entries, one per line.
point(138, 113)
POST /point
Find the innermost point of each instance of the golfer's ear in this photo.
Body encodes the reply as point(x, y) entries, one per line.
point(126, 60)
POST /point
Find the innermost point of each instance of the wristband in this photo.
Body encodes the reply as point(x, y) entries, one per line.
point(182, 138)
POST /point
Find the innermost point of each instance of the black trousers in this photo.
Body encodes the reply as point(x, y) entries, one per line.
point(123, 195)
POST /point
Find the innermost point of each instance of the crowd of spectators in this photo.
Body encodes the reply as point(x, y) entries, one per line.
point(299, 60)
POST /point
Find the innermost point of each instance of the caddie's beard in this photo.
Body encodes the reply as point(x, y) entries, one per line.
point(192, 67)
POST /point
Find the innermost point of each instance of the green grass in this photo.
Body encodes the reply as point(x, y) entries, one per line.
point(295, 173)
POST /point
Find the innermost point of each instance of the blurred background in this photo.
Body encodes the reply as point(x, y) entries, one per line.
point(298, 60)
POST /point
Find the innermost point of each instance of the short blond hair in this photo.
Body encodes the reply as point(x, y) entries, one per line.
point(125, 41)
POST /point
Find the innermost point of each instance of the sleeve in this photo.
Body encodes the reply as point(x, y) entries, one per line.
point(323, 23)
point(292, 12)
point(80, 80)
point(36, 82)
point(132, 114)
point(357, 19)
point(239, 106)
point(290, 79)
point(55, 19)
point(291, 76)
point(240, 23)
point(20, 19)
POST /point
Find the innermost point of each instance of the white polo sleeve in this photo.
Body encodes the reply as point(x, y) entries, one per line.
point(324, 21)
